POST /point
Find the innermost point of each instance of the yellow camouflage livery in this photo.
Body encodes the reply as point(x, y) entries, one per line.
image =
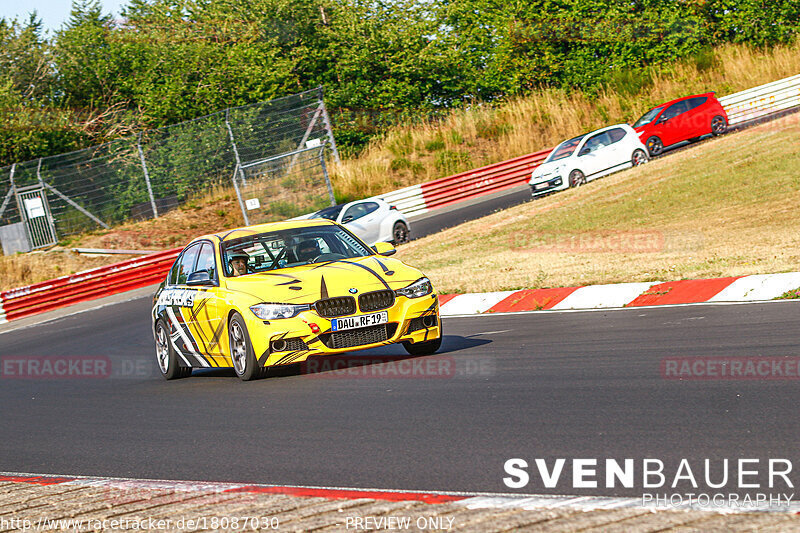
point(308, 288)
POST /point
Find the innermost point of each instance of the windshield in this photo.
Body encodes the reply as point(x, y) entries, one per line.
point(565, 149)
point(289, 248)
point(648, 117)
point(331, 213)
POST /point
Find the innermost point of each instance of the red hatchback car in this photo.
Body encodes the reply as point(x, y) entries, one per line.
point(684, 119)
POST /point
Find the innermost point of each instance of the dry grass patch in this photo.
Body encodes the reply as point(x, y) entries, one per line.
point(725, 208)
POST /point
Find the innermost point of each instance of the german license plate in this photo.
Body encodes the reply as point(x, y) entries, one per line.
point(361, 321)
point(541, 185)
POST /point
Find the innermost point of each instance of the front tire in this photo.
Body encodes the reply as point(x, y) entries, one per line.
point(242, 356)
point(166, 357)
point(576, 178)
point(639, 158)
point(423, 348)
point(719, 125)
point(655, 146)
point(400, 233)
point(427, 347)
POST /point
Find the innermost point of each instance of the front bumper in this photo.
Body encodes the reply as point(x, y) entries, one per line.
point(544, 187)
point(293, 340)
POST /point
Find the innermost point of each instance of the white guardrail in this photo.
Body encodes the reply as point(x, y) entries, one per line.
point(410, 200)
point(762, 100)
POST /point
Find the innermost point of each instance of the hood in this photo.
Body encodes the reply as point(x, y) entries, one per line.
point(309, 283)
point(548, 168)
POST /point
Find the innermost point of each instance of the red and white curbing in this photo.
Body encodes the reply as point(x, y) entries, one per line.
point(529, 502)
point(753, 288)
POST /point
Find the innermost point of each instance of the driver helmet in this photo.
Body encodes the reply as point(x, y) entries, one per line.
point(238, 255)
point(307, 250)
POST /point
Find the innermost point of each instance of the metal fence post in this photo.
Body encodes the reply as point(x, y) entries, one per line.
point(39, 172)
point(239, 196)
point(235, 149)
point(146, 176)
point(306, 135)
point(16, 196)
point(325, 173)
point(10, 193)
point(327, 121)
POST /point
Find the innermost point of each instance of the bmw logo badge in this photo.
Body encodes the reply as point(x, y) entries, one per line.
point(353, 290)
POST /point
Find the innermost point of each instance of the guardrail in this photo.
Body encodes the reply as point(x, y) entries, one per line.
point(88, 285)
point(762, 101)
point(419, 199)
point(485, 180)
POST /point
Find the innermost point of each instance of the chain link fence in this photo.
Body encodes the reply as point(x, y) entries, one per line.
point(284, 186)
point(145, 176)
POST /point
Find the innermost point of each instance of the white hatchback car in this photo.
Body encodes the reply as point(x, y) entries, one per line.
point(592, 155)
point(372, 220)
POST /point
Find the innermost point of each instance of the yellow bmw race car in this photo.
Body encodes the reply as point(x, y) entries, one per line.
point(277, 293)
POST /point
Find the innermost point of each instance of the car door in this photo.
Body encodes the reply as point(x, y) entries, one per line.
point(178, 300)
point(672, 123)
point(618, 153)
point(371, 220)
point(185, 309)
point(697, 121)
point(205, 321)
point(593, 157)
point(359, 218)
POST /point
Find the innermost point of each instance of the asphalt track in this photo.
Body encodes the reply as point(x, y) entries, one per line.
point(441, 219)
point(539, 385)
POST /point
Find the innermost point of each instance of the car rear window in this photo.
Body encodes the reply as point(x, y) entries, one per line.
point(617, 134)
point(697, 101)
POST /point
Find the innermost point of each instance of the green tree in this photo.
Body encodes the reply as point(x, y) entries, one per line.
point(30, 125)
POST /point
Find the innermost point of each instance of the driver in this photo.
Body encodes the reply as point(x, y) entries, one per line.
point(238, 263)
point(307, 250)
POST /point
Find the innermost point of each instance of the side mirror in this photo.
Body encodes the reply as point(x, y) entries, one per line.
point(584, 152)
point(384, 248)
point(348, 218)
point(662, 120)
point(200, 277)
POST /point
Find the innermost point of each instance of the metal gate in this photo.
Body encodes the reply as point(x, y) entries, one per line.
point(32, 202)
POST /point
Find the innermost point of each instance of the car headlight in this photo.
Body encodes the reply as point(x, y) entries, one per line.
point(419, 288)
point(275, 311)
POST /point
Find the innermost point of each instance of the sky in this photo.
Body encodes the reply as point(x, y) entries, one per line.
point(52, 12)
